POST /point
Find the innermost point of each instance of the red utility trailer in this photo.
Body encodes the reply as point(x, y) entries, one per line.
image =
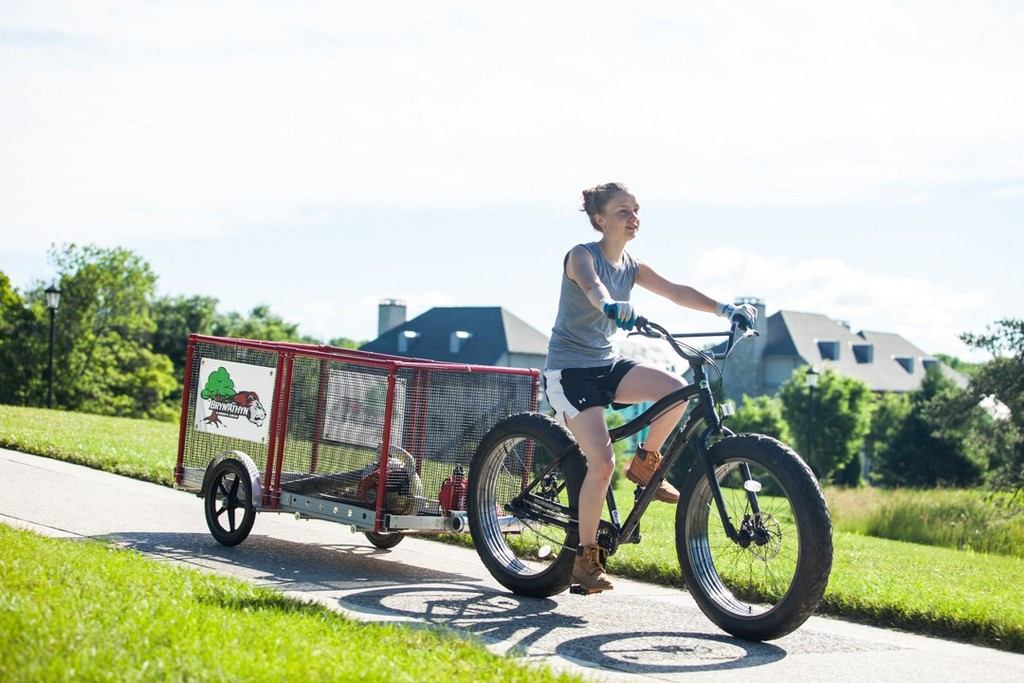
point(381, 443)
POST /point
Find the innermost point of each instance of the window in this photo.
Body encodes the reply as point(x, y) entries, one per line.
point(864, 353)
point(405, 338)
point(829, 349)
point(929, 363)
point(906, 362)
point(457, 340)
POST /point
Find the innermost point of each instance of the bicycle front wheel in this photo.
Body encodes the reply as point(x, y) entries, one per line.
point(770, 580)
point(527, 543)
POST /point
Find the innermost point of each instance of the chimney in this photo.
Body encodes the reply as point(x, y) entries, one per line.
point(390, 314)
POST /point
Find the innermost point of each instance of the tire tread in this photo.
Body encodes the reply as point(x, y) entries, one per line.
point(815, 562)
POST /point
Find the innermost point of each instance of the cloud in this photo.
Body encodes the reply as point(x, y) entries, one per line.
point(326, 319)
point(929, 314)
point(143, 118)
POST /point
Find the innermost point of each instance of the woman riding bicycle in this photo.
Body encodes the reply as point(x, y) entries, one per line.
point(583, 374)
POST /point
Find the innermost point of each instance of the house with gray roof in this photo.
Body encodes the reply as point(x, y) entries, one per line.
point(885, 361)
point(472, 335)
point(789, 339)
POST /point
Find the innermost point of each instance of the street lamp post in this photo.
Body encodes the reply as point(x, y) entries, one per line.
point(812, 381)
point(52, 302)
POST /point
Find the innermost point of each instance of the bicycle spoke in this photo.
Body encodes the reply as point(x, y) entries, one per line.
point(521, 545)
point(763, 563)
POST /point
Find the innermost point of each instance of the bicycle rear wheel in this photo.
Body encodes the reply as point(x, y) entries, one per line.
point(771, 580)
point(526, 554)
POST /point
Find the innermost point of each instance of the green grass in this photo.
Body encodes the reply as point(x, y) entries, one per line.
point(143, 449)
point(81, 610)
point(965, 519)
point(941, 591)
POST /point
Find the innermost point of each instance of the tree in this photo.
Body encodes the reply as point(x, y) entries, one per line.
point(345, 343)
point(260, 323)
point(120, 350)
point(927, 439)
point(841, 420)
point(104, 362)
point(955, 416)
point(963, 367)
point(126, 379)
point(761, 415)
point(24, 339)
point(176, 318)
point(892, 410)
point(1003, 379)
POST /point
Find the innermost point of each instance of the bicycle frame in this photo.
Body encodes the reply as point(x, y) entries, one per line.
point(704, 413)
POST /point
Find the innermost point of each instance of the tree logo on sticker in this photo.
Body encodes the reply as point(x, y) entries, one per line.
point(226, 402)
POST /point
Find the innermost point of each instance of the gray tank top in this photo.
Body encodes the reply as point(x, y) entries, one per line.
point(581, 337)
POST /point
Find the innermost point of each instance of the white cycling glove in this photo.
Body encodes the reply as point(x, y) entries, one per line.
point(622, 312)
point(745, 311)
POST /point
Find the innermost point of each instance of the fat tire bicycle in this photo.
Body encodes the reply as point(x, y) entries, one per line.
point(752, 531)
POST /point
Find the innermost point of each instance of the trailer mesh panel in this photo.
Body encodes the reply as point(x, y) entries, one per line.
point(335, 428)
point(336, 419)
point(334, 410)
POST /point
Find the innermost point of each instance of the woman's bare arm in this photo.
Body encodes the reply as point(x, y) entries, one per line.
point(580, 269)
point(683, 295)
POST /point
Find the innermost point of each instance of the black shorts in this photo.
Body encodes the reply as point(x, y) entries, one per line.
point(573, 390)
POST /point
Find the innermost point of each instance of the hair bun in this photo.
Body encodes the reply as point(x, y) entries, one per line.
point(597, 197)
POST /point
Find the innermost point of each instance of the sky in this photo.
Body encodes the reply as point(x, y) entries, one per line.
point(861, 160)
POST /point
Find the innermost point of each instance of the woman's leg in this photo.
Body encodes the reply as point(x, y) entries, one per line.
point(592, 436)
point(645, 383)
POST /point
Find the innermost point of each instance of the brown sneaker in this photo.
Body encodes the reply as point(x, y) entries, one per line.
point(642, 468)
point(587, 571)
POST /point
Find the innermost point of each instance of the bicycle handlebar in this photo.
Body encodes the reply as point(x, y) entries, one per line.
point(646, 328)
point(653, 330)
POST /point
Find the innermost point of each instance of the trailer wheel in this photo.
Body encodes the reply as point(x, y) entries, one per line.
point(384, 541)
point(230, 492)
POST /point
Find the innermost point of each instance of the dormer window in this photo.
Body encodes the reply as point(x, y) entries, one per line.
point(929, 363)
point(457, 340)
point(864, 353)
point(906, 362)
point(405, 338)
point(829, 349)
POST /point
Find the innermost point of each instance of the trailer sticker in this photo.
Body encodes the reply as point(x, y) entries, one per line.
point(356, 407)
point(235, 399)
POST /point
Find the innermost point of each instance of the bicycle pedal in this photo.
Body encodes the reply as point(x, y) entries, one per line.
point(577, 589)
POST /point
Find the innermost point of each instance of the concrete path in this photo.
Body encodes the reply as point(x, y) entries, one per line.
point(639, 632)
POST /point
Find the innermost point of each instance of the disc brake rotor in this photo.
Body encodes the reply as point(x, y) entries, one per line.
point(767, 538)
